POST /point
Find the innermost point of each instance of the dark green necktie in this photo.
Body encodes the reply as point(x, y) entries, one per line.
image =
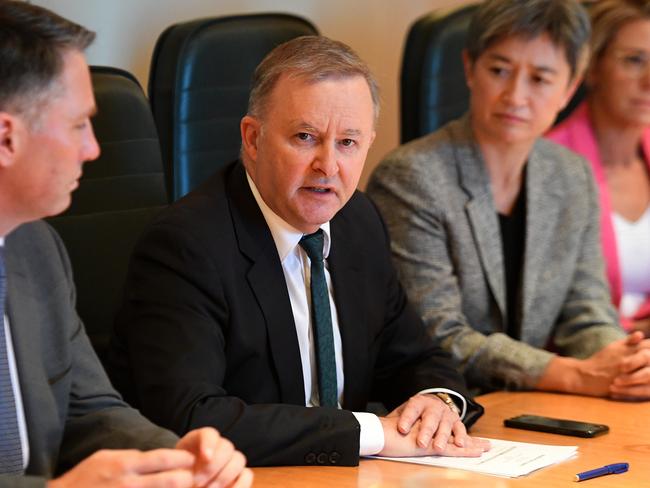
point(11, 454)
point(321, 320)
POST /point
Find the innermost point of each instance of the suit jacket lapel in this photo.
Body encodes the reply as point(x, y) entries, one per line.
point(541, 219)
point(347, 281)
point(266, 279)
point(41, 411)
point(482, 213)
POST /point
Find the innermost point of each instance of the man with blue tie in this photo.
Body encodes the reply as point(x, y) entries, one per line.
point(265, 304)
point(59, 415)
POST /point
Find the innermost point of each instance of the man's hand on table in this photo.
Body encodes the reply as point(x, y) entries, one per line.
point(425, 425)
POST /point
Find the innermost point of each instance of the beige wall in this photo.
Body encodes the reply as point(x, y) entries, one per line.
point(376, 29)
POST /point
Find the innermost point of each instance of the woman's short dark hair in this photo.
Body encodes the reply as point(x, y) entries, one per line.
point(565, 21)
point(33, 41)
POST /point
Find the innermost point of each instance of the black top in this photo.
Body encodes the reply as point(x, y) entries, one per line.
point(513, 238)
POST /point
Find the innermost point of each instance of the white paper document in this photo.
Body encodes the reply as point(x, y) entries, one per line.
point(505, 458)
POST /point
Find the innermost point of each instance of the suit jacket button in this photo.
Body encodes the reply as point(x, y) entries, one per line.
point(322, 458)
point(335, 457)
point(310, 458)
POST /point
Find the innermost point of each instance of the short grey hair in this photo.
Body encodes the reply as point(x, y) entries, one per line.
point(608, 16)
point(565, 21)
point(33, 41)
point(312, 58)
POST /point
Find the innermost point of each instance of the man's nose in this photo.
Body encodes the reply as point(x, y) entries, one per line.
point(326, 160)
point(91, 147)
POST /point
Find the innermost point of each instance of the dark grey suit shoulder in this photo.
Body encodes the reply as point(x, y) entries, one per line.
point(71, 410)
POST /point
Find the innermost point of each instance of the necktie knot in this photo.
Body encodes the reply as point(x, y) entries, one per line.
point(313, 246)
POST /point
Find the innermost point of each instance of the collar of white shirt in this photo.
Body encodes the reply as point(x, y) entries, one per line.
point(285, 236)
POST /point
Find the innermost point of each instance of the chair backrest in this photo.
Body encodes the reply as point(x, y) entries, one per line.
point(117, 197)
point(433, 88)
point(199, 84)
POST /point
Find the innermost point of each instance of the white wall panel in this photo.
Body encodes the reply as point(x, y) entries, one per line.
point(376, 29)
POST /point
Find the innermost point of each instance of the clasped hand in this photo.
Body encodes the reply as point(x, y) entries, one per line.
point(424, 426)
point(633, 378)
point(201, 459)
point(620, 370)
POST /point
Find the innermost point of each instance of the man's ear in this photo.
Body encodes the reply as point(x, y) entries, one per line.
point(9, 138)
point(250, 128)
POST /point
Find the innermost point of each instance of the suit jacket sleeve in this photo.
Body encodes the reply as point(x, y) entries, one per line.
point(175, 324)
point(73, 380)
point(587, 321)
point(22, 481)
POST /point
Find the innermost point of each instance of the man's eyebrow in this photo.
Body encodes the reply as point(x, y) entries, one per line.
point(310, 127)
point(300, 124)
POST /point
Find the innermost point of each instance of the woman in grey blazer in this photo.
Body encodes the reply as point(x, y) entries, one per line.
point(496, 232)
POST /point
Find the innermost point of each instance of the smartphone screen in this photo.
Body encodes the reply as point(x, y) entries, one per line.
point(556, 426)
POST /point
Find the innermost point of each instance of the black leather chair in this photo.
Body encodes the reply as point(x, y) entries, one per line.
point(199, 85)
point(117, 197)
point(433, 88)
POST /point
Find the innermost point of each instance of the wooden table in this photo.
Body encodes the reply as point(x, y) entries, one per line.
point(627, 441)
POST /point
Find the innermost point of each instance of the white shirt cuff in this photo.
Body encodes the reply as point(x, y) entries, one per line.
point(371, 438)
point(453, 394)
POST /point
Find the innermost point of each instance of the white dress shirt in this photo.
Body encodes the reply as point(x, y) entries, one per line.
point(297, 271)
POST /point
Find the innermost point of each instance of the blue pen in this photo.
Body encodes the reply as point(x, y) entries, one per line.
point(617, 468)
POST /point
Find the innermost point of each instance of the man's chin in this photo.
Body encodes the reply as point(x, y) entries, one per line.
point(313, 223)
point(58, 208)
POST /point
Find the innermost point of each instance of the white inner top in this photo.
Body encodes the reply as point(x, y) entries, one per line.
point(633, 242)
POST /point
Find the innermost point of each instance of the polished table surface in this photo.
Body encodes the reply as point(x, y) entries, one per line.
point(628, 441)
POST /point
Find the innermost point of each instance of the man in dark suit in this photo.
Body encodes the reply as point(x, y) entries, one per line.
point(57, 407)
point(235, 318)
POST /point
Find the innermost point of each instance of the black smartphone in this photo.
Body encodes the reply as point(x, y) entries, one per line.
point(556, 426)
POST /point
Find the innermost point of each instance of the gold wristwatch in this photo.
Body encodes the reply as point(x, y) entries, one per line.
point(448, 401)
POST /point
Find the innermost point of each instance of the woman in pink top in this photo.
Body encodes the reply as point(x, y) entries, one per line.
point(612, 130)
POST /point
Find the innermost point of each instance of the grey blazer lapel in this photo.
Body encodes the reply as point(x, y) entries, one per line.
point(541, 221)
point(482, 216)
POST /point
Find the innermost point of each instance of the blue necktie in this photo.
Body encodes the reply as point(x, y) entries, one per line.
point(321, 320)
point(11, 455)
